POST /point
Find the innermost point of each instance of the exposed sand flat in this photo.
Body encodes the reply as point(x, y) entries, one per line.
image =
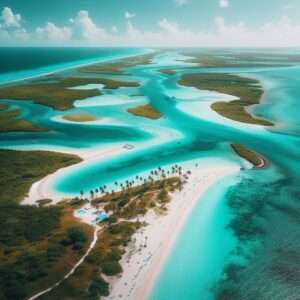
point(41, 189)
point(142, 264)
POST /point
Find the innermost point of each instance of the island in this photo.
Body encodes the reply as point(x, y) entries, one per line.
point(146, 111)
point(247, 90)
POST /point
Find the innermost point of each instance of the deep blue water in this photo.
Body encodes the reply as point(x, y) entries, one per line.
point(16, 59)
point(21, 63)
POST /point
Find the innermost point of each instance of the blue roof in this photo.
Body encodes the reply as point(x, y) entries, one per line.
point(101, 216)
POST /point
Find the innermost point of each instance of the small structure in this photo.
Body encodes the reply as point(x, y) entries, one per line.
point(128, 146)
point(101, 216)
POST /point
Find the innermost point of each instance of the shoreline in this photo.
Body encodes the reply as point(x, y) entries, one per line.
point(81, 64)
point(142, 265)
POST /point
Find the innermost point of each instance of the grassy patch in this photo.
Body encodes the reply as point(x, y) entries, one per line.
point(118, 66)
point(234, 60)
point(248, 91)
point(20, 169)
point(80, 117)
point(53, 95)
point(253, 157)
point(58, 94)
point(108, 83)
point(32, 255)
point(146, 111)
point(10, 121)
point(168, 71)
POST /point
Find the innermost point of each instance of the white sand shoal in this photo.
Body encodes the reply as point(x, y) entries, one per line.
point(142, 265)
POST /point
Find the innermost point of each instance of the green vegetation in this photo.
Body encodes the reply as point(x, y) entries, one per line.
point(253, 157)
point(146, 111)
point(247, 90)
point(32, 254)
point(20, 169)
point(118, 66)
point(58, 94)
point(53, 95)
point(80, 117)
point(40, 244)
point(234, 60)
point(168, 71)
point(11, 121)
point(44, 202)
point(108, 83)
point(125, 206)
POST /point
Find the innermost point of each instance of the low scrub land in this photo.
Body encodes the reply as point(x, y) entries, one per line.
point(146, 111)
point(59, 93)
point(247, 90)
point(118, 66)
point(11, 121)
point(20, 169)
point(253, 157)
point(38, 244)
point(80, 117)
point(168, 71)
point(235, 60)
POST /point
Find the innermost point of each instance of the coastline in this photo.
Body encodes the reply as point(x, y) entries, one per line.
point(60, 68)
point(142, 265)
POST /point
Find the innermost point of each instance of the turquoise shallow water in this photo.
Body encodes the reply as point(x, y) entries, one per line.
point(203, 241)
point(242, 239)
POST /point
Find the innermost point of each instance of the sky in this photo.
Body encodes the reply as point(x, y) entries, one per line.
point(150, 23)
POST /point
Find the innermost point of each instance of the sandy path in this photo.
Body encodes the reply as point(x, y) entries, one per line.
point(92, 245)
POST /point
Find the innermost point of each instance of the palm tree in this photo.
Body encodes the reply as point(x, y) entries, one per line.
point(92, 194)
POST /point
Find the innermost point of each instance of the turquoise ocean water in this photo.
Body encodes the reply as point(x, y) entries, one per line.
point(242, 240)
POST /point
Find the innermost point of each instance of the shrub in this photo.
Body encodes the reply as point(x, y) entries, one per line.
point(111, 268)
point(98, 288)
point(76, 237)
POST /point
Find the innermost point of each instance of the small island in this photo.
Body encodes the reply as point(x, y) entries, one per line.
point(247, 90)
point(118, 66)
point(254, 158)
point(11, 121)
point(146, 111)
point(79, 117)
point(168, 71)
point(58, 93)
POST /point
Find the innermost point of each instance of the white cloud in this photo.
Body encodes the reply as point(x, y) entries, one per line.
point(10, 19)
point(181, 2)
point(223, 3)
point(53, 32)
point(280, 33)
point(87, 29)
point(129, 15)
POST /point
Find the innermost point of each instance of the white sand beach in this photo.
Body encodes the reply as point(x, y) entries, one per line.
point(151, 245)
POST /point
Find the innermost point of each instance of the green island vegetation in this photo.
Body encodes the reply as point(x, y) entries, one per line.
point(254, 158)
point(236, 60)
point(10, 121)
point(146, 111)
point(124, 206)
point(168, 71)
point(20, 169)
point(38, 244)
point(58, 92)
point(80, 117)
point(247, 90)
point(117, 67)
